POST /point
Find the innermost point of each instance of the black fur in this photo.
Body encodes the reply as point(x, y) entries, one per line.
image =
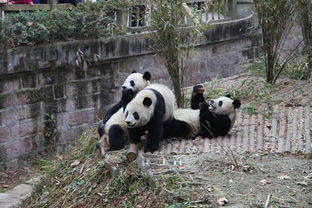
point(117, 138)
point(126, 96)
point(154, 127)
point(101, 128)
point(147, 75)
point(236, 103)
point(197, 97)
point(213, 125)
point(112, 111)
point(176, 128)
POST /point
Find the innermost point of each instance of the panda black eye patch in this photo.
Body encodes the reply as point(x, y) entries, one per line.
point(220, 103)
point(136, 116)
point(132, 83)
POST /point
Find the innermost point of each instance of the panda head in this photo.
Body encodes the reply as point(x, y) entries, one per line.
point(140, 110)
point(224, 105)
point(137, 81)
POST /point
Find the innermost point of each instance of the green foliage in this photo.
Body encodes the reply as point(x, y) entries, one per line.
point(257, 68)
point(298, 68)
point(45, 165)
point(86, 21)
point(173, 39)
point(304, 8)
point(249, 108)
point(275, 19)
point(50, 129)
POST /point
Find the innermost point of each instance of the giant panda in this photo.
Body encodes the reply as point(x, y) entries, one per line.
point(217, 117)
point(213, 119)
point(185, 124)
point(114, 140)
point(135, 81)
point(114, 133)
point(149, 110)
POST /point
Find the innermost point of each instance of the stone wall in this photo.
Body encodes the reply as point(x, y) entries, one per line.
point(77, 81)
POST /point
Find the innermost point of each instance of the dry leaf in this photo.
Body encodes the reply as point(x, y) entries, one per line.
point(284, 177)
point(264, 182)
point(222, 201)
point(29, 24)
point(302, 183)
point(75, 163)
point(210, 189)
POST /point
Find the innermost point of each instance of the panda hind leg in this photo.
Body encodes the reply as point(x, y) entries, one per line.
point(117, 138)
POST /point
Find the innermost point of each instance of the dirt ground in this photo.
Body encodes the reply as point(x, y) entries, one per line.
point(85, 179)
point(10, 179)
point(204, 178)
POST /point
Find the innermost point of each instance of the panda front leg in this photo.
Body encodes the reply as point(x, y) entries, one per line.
point(154, 135)
point(206, 121)
point(135, 134)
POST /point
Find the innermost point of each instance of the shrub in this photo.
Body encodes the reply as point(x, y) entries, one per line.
point(86, 21)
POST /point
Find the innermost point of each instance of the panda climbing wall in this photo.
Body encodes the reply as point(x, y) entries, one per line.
point(150, 110)
point(217, 117)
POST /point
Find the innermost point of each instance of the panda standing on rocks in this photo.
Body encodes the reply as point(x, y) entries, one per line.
point(150, 110)
point(113, 132)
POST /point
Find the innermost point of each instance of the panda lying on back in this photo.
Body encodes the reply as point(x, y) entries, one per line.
point(218, 116)
point(150, 110)
point(213, 119)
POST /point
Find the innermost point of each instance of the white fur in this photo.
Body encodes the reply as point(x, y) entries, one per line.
point(146, 112)
point(227, 108)
point(116, 119)
point(190, 116)
point(139, 81)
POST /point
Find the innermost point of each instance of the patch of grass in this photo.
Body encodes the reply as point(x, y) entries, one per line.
point(45, 165)
point(256, 68)
point(249, 109)
point(298, 69)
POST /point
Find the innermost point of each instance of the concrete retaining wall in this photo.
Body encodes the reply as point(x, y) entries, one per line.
point(78, 81)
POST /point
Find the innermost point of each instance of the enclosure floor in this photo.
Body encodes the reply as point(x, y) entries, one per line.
point(288, 129)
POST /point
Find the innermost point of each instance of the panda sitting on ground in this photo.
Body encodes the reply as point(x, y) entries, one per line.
point(211, 120)
point(112, 129)
point(149, 110)
point(114, 133)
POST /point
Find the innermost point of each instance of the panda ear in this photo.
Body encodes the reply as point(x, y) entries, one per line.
point(134, 71)
point(147, 75)
point(236, 103)
point(228, 95)
point(147, 102)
